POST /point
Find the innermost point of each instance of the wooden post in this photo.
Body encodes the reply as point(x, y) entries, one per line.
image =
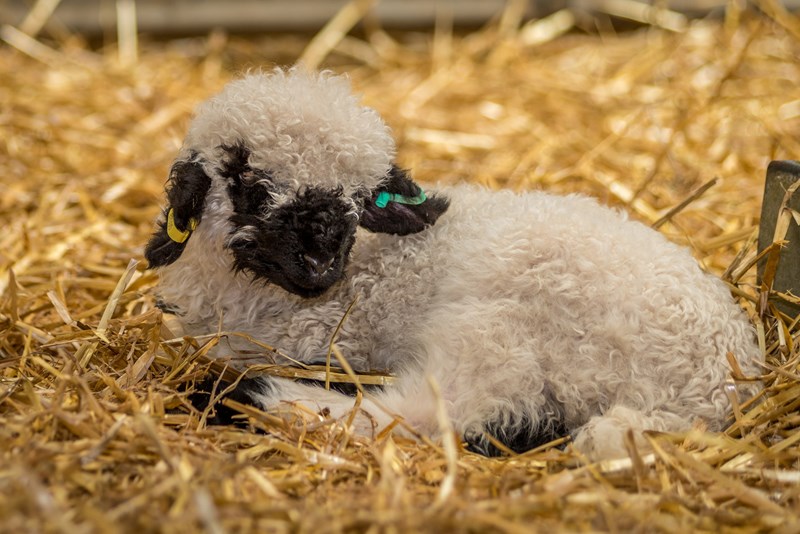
point(778, 198)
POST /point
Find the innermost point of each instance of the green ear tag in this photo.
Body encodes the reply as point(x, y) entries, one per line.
point(384, 197)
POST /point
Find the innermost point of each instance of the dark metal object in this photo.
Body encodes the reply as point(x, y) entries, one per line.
point(780, 176)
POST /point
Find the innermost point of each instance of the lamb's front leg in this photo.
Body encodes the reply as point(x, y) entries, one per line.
point(276, 395)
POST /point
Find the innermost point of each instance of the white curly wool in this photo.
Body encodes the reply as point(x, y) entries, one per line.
point(513, 303)
point(307, 128)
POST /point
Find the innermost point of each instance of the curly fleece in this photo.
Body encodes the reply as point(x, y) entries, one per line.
point(518, 305)
point(307, 129)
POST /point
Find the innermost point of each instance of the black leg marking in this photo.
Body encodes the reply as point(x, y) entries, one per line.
point(243, 393)
point(519, 438)
point(522, 435)
point(167, 307)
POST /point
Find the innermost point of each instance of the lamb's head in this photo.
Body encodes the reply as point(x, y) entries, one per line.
point(280, 169)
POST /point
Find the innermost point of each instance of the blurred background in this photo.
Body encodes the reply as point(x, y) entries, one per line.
point(95, 18)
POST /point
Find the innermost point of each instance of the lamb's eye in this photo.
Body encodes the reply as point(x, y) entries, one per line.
point(244, 244)
point(250, 190)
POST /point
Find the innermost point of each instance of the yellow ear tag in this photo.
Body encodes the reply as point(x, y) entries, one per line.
point(179, 236)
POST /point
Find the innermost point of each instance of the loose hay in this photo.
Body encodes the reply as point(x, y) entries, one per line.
point(96, 433)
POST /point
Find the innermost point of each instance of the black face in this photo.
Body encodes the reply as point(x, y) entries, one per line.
point(302, 246)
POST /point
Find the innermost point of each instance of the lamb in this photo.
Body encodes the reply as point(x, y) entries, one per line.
point(537, 315)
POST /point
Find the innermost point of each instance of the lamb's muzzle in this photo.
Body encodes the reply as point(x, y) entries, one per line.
point(537, 315)
point(315, 234)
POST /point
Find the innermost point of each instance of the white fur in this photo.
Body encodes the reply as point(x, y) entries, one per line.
point(307, 129)
point(507, 300)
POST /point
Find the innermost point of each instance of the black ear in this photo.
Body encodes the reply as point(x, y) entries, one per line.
point(186, 195)
point(399, 206)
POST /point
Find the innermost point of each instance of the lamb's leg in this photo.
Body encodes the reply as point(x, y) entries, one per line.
point(603, 436)
point(277, 395)
point(519, 436)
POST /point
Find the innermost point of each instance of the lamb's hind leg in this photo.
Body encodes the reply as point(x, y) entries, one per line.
point(523, 433)
point(603, 436)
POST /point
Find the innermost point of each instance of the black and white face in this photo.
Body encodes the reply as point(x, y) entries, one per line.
point(302, 243)
point(300, 165)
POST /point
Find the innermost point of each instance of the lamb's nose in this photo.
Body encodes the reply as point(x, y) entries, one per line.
point(317, 265)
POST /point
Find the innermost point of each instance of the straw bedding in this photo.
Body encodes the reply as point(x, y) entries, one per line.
point(96, 433)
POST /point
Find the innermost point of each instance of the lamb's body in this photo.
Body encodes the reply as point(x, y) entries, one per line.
point(537, 315)
point(529, 310)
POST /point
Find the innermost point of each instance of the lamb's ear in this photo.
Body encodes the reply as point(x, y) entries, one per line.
point(400, 207)
point(186, 195)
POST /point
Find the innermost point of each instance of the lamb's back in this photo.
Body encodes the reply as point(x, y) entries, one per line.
point(578, 286)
